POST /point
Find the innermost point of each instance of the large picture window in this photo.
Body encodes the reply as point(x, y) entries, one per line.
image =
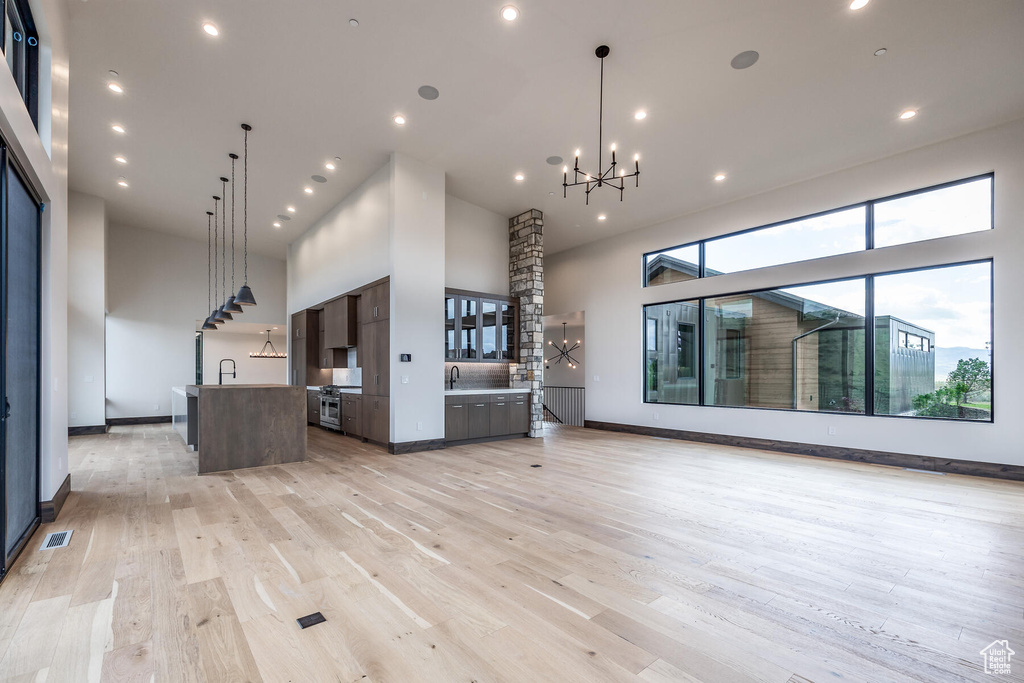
point(806, 347)
point(955, 208)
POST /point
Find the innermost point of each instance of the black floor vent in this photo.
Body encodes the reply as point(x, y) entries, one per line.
point(311, 620)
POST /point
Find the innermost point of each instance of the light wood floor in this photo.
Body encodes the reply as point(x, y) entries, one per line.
point(622, 558)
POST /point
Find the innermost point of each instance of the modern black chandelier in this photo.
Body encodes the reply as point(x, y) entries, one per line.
point(565, 352)
point(603, 178)
point(264, 353)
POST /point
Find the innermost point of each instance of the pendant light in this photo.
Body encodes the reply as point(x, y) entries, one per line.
point(244, 296)
point(216, 315)
point(209, 324)
point(223, 248)
point(230, 306)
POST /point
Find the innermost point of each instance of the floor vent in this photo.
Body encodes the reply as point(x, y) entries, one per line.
point(57, 539)
point(311, 620)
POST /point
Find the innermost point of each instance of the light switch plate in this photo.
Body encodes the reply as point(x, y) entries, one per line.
point(405, 379)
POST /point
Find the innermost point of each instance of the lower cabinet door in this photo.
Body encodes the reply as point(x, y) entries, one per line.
point(479, 420)
point(456, 422)
point(499, 418)
point(351, 425)
point(519, 416)
point(380, 423)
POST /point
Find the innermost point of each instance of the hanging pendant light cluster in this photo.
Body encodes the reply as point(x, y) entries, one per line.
point(216, 220)
point(265, 353)
point(603, 177)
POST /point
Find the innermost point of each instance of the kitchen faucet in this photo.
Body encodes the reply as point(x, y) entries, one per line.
point(234, 369)
point(452, 376)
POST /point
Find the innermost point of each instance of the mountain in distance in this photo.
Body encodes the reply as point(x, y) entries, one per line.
point(946, 359)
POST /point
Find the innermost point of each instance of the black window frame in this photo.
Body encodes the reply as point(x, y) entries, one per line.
point(30, 88)
point(869, 356)
point(869, 228)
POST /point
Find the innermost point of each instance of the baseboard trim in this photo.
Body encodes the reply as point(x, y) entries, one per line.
point(148, 420)
point(86, 431)
point(415, 446)
point(919, 462)
point(49, 509)
point(486, 439)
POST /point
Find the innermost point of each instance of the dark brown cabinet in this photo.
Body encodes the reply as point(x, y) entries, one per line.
point(305, 350)
point(313, 407)
point(376, 358)
point(499, 424)
point(479, 419)
point(376, 418)
point(456, 421)
point(339, 326)
point(351, 414)
point(375, 303)
point(519, 414)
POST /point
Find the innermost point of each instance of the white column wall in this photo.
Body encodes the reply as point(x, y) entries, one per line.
point(87, 232)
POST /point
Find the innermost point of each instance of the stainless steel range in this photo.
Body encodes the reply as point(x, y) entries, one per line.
point(330, 407)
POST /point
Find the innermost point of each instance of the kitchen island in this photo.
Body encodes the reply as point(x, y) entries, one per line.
point(247, 425)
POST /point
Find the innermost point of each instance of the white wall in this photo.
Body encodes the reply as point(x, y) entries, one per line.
point(87, 238)
point(475, 248)
point(156, 291)
point(225, 344)
point(560, 374)
point(417, 299)
point(44, 161)
point(603, 278)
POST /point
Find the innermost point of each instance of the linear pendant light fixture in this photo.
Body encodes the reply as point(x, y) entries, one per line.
point(216, 315)
point(230, 305)
point(264, 353)
point(603, 178)
point(209, 324)
point(244, 296)
point(223, 249)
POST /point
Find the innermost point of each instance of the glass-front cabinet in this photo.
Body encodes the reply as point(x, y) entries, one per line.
point(479, 328)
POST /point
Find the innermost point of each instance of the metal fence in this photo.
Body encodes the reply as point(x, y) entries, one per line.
point(565, 405)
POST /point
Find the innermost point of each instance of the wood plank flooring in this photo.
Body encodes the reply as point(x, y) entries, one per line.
point(621, 558)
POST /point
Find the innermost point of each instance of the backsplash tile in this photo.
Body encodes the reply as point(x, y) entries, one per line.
point(478, 375)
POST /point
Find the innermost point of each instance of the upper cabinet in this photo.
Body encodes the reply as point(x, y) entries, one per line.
point(375, 303)
point(479, 328)
point(339, 323)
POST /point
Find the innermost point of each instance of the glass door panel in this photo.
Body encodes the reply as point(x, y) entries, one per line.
point(507, 338)
point(451, 347)
point(20, 375)
point(469, 328)
point(489, 330)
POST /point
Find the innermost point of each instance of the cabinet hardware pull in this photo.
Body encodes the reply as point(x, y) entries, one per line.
point(456, 406)
point(480, 405)
point(500, 404)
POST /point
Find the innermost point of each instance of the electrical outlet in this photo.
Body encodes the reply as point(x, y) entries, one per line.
point(156, 406)
point(405, 379)
point(596, 378)
point(419, 426)
point(73, 415)
point(656, 416)
point(831, 430)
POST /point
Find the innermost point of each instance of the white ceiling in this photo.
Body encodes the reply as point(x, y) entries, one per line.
point(313, 87)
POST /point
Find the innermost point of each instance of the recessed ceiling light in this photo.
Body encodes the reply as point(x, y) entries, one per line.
point(120, 159)
point(330, 166)
point(122, 182)
point(640, 115)
point(520, 177)
point(211, 29)
point(857, 4)
point(509, 13)
point(353, 23)
point(602, 217)
point(745, 60)
point(399, 119)
point(428, 92)
point(720, 177)
point(282, 217)
point(908, 114)
point(318, 179)
point(277, 224)
point(308, 190)
point(554, 161)
point(117, 128)
point(880, 51)
point(115, 87)
point(291, 209)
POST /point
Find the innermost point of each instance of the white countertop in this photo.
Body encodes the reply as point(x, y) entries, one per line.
point(460, 392)
point(343, 390)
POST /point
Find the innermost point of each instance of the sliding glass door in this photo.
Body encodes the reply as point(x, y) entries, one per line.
point(19, 363)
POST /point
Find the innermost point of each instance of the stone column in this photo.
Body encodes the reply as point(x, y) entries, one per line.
point(526, 282)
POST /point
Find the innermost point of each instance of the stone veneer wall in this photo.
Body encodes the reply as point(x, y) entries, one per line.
point(526, 282)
